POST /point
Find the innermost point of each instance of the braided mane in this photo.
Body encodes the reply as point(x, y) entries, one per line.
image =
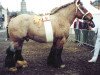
point(55, 10)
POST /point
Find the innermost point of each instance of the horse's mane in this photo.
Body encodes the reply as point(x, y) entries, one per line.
point(55, 10)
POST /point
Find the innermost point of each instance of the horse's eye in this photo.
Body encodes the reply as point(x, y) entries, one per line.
point(82, 8)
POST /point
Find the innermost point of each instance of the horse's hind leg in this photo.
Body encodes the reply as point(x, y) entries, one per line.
point(54, 58)
point(14, 56)
point(9, 60)
point(20, 62)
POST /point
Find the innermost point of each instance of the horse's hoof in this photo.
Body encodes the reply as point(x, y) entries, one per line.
point(22, 64)
point(12, 69)
point(62, 66)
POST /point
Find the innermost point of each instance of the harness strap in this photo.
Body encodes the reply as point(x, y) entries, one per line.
point(48, 31)
point(80, 10)
point(85, 14)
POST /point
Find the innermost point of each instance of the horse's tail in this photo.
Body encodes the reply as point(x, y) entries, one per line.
point(12, 15)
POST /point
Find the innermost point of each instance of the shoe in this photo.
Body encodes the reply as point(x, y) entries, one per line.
point(93, 60)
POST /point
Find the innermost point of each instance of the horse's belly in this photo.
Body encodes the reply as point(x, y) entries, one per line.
point(40, 36)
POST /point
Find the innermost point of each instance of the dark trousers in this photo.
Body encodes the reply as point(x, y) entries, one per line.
point(77, 34)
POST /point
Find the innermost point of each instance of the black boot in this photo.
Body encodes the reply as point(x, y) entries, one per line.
point(9, 60)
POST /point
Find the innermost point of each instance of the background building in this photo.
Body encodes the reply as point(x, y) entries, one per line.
point(23, 7)
point(3, 17)
point(96, 4)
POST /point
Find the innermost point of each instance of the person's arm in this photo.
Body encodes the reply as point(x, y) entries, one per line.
point(94, 29)
point(74, 25)
point(90, 28)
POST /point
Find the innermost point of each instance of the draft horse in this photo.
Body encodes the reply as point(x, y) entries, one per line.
point(24, 27)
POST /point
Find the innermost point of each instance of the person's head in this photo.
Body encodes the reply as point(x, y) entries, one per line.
point(90, 23)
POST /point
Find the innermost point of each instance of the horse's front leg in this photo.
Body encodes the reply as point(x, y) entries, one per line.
point(54, 58)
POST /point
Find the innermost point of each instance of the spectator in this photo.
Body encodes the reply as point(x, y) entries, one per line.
point(77, 29)
point(85, 31)
point(86, 26)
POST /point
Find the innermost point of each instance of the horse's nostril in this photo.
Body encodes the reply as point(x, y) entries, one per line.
point(92, 18)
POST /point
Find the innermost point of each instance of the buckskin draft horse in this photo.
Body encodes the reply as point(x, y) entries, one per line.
point(24, 27)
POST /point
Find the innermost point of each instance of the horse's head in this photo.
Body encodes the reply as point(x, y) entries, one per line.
point(82, 12)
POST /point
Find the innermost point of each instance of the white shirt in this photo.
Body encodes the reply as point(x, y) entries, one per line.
point(97, 31)
point(77, 24)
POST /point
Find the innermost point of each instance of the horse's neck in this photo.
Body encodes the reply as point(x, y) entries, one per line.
point(68, 14)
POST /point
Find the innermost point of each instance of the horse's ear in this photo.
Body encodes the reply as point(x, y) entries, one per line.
point(77, 1)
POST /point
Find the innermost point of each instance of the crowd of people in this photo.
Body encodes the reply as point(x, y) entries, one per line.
point(82, 29)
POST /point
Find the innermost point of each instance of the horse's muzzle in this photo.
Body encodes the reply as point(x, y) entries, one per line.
point(88, 19)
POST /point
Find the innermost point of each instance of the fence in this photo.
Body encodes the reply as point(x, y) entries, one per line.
point(87, 37)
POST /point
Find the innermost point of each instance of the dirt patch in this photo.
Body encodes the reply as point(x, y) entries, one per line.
point(74, 57)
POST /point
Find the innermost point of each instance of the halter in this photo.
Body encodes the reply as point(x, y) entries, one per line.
point(84, 14)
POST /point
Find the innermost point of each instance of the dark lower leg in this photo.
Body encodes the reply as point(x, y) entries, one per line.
point(50, 59)
point(54, 57)
point(9, 60)
point(18, 52)
point(18, 55)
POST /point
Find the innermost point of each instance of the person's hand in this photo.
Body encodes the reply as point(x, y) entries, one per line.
point(89, 27)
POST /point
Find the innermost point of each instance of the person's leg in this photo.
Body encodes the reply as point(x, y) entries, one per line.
point(80, 38)
point(96, 51)
point(76, 35)
point(84, 35)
